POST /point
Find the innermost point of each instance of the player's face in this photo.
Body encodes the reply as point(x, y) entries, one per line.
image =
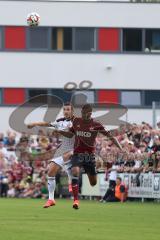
point(118, 182)
point(86, 114)
point(67, 111)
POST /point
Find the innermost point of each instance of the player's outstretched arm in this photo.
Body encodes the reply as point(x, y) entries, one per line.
point(67, 134)
point(116, 142)
point(39, 124)
point(114, 139)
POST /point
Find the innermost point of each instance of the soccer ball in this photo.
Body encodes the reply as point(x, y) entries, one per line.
point(33, 19)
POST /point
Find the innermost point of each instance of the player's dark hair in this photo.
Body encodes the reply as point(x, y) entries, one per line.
point(87, 107)
point(68, 104)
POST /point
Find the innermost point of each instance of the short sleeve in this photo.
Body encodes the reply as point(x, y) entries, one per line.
point(101, 128)
point(98, 126)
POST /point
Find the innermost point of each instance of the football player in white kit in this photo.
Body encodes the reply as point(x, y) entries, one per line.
point(62, 154)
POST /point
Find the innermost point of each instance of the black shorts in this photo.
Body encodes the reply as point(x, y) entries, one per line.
point(85, 160)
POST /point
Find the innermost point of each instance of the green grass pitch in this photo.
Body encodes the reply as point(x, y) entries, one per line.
point(25, 219)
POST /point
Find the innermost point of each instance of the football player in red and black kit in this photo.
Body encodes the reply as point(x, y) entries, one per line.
point(85, 130)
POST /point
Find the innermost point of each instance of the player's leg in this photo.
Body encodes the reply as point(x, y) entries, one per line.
point(67, 167)
point(75, 186)
point(92, 179)
point(53, 169)
point(54, 166)
point(90, 169)
point(75, 161)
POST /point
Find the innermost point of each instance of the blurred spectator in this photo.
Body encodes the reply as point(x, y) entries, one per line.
point(3, 149)
point(11, 191)
point(119, 194)
point(112, 181)
point(37, 191)
point(10, 141)
point(3, 185)
point(21, 177)
point(44, 190)
point(1, 137)
point(158, 124)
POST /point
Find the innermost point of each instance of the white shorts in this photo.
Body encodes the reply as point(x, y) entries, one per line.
point(59, 161)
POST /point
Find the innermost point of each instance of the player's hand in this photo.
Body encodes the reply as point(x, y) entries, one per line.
point(31, 125)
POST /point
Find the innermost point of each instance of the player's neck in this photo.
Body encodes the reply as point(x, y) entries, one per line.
point(87, 120)
point(69, 118)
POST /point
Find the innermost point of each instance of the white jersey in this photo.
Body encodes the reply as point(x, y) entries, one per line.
point(67, 144)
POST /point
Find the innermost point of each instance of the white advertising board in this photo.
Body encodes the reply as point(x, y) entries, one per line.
point(143, 186)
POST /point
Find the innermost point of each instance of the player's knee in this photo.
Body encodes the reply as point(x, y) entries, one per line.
point(67, 156)
point(75, 172)
point(52, 171)
point(93, 182)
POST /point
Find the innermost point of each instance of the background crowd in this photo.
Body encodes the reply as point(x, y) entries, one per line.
point(20, 177)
